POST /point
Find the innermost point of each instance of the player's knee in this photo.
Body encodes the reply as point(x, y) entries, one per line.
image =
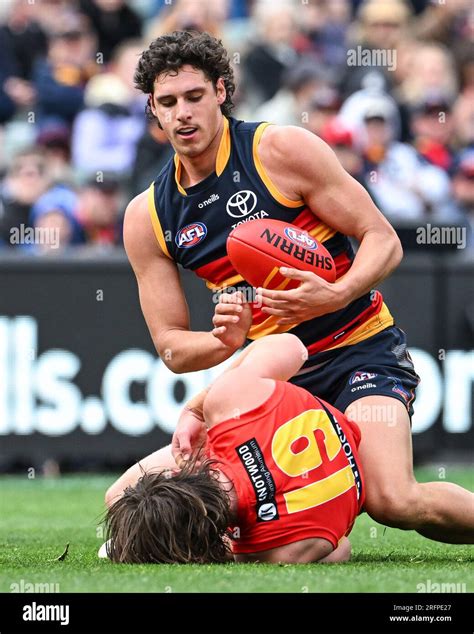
point(397, 507)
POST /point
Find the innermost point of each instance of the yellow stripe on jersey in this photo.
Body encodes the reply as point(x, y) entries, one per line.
point(383, 319)
point(271, 275)
point(268, 327)
point(177, 175)
point(369, 328)
point(277, 195)
point(155, 221)
point(230, 281)
point(322, 232)
point(223, 153)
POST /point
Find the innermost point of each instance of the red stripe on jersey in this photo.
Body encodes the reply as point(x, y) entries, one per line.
point(341, 334)
point(343, 264)
point(216, 271)
point(306, 220)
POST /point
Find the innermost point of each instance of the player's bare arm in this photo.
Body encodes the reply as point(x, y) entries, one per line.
point(313, 174)
point(164, 305)
point(274, 357)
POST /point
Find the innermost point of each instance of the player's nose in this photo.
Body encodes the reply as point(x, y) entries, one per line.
point(183, 110)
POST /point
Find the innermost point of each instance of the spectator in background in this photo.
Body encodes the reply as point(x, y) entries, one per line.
point(272, 53)
point(60, 79)
point(22, 41)
point(26, 180)
point(432, 71)
point(322, 108)
point(289, 106)
point(105, 134)
point(432, 129)
point(54, 213)
point(114, 21)
point(354, 108)
point(341, 139)
point(98, 211)
point(462, 203)
point(152, 153)
point(183, 15)
point(463, 109)
point(442, 21)
point(54, 139)
point(403, 185)
point(381, 25)
point(323, 32)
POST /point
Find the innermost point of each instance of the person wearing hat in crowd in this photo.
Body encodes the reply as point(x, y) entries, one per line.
point(381, 25)
point(341, 140)
point(403, 184)
point(98, 210)
point(322, 108)
point(55, 140)
point(54, 214)
point(60, 78)
point(432, 128)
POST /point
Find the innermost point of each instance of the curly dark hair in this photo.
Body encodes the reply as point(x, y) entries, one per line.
point(182, 518)
point(168, 53)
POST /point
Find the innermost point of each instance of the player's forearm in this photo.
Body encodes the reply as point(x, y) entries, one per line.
point(288, 353)
point(256, 354)
point(378, 255)
point(196, 403)
point(187, 351)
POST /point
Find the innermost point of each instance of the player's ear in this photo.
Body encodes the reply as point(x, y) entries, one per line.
point(151, 107)
point(220, 91)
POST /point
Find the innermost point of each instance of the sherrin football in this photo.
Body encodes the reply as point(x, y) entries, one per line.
point(257, 249)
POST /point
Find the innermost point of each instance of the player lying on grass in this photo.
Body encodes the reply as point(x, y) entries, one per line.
point(279, 474)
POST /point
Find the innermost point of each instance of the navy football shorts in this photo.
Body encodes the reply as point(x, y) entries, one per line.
point(379, 365)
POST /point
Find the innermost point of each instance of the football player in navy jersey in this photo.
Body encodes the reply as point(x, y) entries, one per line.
point(226, 171)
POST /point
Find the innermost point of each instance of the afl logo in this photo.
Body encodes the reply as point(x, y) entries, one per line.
point(241, 204)
point(301, 238)
point(190, 235)
point(267, 512)
point(358, 377)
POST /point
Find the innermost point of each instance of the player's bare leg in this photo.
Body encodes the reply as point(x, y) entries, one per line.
point(438, 510)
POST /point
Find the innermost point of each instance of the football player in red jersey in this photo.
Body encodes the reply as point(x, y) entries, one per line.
point(284, 479)
point(226, 171)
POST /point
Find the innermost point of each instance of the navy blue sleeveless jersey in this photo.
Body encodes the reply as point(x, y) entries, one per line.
point(192, 225)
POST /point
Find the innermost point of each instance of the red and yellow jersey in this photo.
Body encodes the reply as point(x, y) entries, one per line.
point(294, 464)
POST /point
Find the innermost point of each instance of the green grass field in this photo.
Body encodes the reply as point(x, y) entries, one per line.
point(39, 516)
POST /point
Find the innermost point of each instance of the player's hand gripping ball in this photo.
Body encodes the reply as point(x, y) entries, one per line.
point(257, 250)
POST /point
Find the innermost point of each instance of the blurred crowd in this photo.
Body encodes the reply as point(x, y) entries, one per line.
point(389, 84)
